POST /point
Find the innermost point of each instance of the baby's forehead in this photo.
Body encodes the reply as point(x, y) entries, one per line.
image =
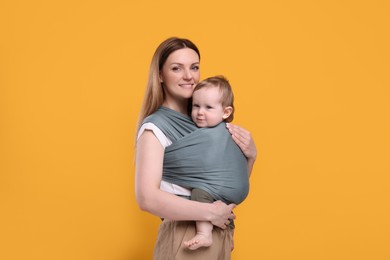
point(212, 91)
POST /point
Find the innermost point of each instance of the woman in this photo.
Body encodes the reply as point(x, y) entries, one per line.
point(174, 71)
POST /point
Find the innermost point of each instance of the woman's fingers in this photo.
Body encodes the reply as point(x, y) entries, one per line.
point(243, 139)
point(222, 218)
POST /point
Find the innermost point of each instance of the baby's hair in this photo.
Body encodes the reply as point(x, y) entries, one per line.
point(227, 97)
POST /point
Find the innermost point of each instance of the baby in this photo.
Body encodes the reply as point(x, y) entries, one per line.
point(212, 103)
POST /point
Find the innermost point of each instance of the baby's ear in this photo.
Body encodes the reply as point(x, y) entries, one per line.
point(227, 112)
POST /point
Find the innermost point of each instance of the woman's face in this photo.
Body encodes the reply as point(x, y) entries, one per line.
point(179, 74)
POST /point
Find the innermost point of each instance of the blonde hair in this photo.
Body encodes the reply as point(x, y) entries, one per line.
point(154, 94)
point(227, 97)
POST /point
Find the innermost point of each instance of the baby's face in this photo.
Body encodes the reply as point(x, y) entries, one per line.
point(207, 110)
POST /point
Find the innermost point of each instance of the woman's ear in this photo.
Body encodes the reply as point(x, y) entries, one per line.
point(160, 77)
point(227, 112)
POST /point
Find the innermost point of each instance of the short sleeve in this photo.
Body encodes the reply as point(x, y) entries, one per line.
point(163, 139)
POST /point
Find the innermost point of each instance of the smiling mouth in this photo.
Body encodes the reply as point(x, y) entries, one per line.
point(189, 85)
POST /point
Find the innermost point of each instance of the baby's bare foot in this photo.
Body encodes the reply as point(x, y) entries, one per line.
point(200, 240)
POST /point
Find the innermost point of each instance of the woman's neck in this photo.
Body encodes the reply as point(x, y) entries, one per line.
point(181, 107)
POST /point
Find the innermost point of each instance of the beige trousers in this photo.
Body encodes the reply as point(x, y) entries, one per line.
point(172, 234)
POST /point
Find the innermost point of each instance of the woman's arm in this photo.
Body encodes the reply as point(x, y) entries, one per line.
point(244, 140)
point(149, 164)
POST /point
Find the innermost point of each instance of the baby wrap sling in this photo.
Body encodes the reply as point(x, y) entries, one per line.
point(204, 158)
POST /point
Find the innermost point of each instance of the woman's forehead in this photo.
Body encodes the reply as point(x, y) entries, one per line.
point(183, 56)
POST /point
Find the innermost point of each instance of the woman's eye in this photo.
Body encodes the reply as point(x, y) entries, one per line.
point(196, 68)
point(176, 68)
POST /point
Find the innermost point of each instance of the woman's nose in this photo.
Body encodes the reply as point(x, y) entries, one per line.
point(187, 74)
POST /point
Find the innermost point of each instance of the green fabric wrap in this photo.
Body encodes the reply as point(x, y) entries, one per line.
point(204, 158)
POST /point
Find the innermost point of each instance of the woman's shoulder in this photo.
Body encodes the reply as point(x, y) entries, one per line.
point(172, 123)
point(164, 114)
point(162, 138)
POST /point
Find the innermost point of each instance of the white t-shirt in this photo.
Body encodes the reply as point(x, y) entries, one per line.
point(165, 142)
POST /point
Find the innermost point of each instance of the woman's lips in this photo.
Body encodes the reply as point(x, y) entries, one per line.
point(187, 85)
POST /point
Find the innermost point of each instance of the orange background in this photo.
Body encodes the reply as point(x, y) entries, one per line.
point(311, 80)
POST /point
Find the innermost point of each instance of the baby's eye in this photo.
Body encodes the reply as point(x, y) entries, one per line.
point(195, 105)
point(209, 107)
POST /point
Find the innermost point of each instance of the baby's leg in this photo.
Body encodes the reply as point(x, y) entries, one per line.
point(203, 237)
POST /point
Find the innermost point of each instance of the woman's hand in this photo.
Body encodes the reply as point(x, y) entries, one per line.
point(244, 140)
point(222, 214)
